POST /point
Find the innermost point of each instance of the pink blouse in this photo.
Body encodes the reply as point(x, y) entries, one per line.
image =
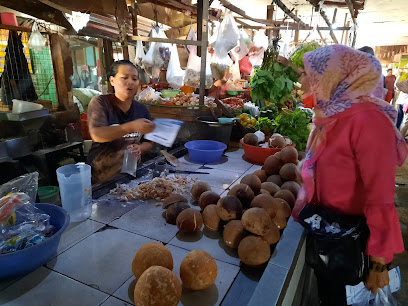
point(356, 175)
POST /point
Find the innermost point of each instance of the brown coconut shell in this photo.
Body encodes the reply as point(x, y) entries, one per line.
point(198, 270)
point(273, 236)
point(210, 218)
point(151, 254)
point(277, 141)
point(189, 220)
point(280, 222)
point(157, 286)
point(254, 251)
point(174, 198)
point(262, 175)
point(263, 191)
point(289, 155)
point(287, 196)
point(207, 198)
point(265, 202)
point(233, 233)
point(251, 139)
point(199, 188)
point(272, 188)
point(171, 214)
point(281, 205)
point(273, 165)
point(292, 186)
point(244, 193)
point(257, 221)
point(229, 208)
point(253, 182)
point(276, 179)
point(289, 172)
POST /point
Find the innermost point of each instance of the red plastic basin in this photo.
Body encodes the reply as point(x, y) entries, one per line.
point(258, 155)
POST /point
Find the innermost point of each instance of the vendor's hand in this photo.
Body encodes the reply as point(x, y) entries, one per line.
point(283, 60)
point(135, 150)
point(377, 280)
point(143, 126)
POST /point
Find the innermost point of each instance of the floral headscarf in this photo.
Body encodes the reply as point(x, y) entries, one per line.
point(340, 77)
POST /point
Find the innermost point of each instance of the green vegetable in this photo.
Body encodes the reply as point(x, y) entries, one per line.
point(297, 57)
point(264, 125)
point(272, 82)
point(294, 126)
point(270, 111)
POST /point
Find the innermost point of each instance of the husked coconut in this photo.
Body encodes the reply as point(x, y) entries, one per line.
point(289, 155)
point(198, 270)
point(171, 214)
point(189, 220)
point(174, 198)
point(151, 254)
point(199, 188)
point(229, 208)
point(293, 187)
point(262, 175)
point(287, 196)
point(210, 218)
point(273, 235)
point(254, 251)
point(233, 233)
point(272, 188)
point(257, 221)
point(251, 139)
point(276, 179)
point(207, 198)
point(283, 206)
point(252, 181)
point(277, 141)
point(243, 192)
point(272, 165)
point(289, 172)
point(265, 202)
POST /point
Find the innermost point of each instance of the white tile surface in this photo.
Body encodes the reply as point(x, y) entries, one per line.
point(209, 296)
point(147, 220)
point(46, 287)
point(217, 178)
point(231, 164)
point(235, 153)
point(103, 260)
point(112, 301)
point(211, 242)
point(108, 208)
point(4, 283)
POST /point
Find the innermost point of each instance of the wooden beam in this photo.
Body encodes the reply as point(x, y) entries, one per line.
point(321, 36)
point(204, 46)
point(289, 13)
point(165, 40)
point(296, 38)
point(323, 14)
point(342, 33)
point(352, 13)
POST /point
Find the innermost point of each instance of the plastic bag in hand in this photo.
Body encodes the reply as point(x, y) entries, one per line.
point(192, 77)
point(244, 44)
point(36, 41)
point(383, 297)
point(175, 75)
point(140, 54)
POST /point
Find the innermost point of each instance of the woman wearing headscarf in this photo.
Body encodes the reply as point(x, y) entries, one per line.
point(347, 200)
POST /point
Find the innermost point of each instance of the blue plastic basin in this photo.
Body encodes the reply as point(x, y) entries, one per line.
point(205, 151)
point(27, 260)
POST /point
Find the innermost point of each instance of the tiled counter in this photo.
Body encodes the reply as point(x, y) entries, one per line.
point(93, 264)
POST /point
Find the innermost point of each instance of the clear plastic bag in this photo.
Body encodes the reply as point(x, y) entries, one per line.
point(260, 40)
point(27, 183)
point(148, 95)
point(192, 77)
point(21, 223)
point(191, 35)
point(383, 297)
point(140, 54)
point(244, 45)
point(235, 71)
point(158, 55)
point(175, 75)
point(220, 64)
point(36, 40)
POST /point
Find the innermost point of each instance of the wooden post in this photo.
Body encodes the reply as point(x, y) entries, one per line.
point(199, 23)
point(125, 51)
point(342, 33)
point(107, 54)
point(347, 34)
point(269, 17)
point(296, 39)
point(63, 70)
point(204, 5)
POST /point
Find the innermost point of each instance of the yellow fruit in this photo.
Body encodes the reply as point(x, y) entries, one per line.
point(253, 121)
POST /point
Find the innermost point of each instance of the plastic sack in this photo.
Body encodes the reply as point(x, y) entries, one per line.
point(260, 40)
point(27, 183)
point(244, 44)
point(220, 64)
point(158, 55)
point(140, 54)
point(245, 65)
point(235, 72)
point(192, 77)
point(148, 95)
point(36, 40)
point(175, 75)
point(191, 35)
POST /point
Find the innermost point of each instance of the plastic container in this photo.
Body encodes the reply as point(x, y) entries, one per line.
point(49, 194)
point(258, 155)
point(20, 106)
point(227, 120)
point(76, 190)
point(205, 151)
point(129, 164)
point(27, 260)
point(169, 93)
point(212, 130)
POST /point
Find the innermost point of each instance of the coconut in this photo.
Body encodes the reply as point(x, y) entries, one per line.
point(263, 191)
point(157, 286)
point(289, 172)
point(293, 187)
point(262, 175)
point(251, 139)
point(174, 198)
point(282, 206)
point(233, 233)
point(272, 165)
point(280, 222)
point(243, 192)
point(277, 141)
point(287, 196)
point(273, 235)
point(252, 181)
point(254, 251)
point(257, 221)
point(151, 254)
point(210, 218)
point(289, 155)
point(229, 208)
point(207, 198)
point(272, 188)
point(276, 179)
point(189, 220)
point(198, 270)
point(199, 188)
point(265, 202)
point(173, 211)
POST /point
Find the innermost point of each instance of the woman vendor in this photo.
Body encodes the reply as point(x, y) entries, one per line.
point(117, 122)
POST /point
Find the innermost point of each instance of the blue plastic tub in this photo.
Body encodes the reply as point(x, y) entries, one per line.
point(27, 260)
point(205, 151)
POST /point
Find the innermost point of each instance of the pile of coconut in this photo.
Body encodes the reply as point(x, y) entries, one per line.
point(252, 215)
point(258, 139)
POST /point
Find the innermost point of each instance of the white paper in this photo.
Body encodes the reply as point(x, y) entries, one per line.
point(165, 132)
point(359, 293)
